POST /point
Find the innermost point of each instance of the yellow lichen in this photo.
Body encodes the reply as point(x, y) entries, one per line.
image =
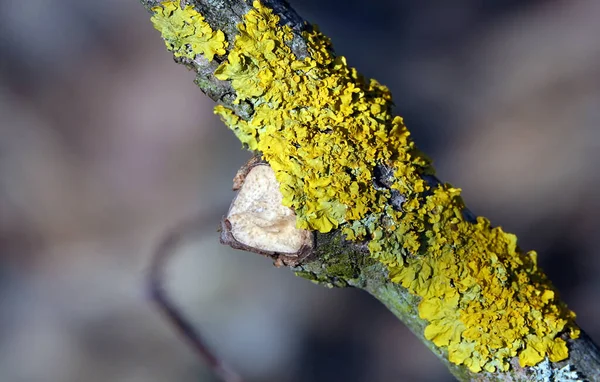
point(186, 33)
point(327, 132)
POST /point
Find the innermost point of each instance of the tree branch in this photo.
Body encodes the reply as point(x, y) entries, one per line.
point(368, 209)
point(164, 251)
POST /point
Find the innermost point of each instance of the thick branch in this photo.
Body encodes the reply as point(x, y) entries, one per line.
point(369, 211)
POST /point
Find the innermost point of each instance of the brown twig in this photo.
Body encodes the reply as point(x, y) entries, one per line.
point(163, 253)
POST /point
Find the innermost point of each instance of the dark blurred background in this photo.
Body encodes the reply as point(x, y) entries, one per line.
point(105, 144)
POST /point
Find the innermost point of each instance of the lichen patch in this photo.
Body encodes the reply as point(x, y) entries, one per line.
point(185, 32)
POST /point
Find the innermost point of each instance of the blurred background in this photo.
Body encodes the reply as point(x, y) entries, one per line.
point(105, 144)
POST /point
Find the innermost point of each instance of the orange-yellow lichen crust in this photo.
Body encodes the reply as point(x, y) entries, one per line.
point(324, 129)
point(185, 32)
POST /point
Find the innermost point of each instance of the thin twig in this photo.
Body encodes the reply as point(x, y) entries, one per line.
point(163, 253)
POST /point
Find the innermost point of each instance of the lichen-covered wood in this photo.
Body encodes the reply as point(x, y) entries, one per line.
point(349, 170)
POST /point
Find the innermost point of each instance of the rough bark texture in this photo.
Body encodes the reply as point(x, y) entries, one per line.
point(336, 262)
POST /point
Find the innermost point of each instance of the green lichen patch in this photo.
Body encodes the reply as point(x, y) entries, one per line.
point(185, 32)
point(335, 263)
point(326, 131)
point(544, 372)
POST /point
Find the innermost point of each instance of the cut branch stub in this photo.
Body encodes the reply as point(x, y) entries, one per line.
point(257, 220)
